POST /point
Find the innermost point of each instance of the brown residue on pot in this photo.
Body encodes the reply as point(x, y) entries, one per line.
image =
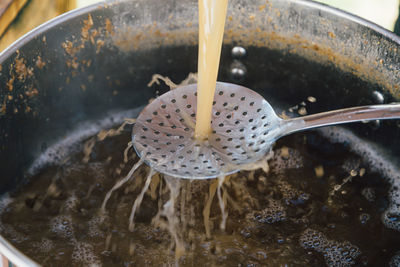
point(89, 35)
point(70, 49)
point(100, 44)
point(10, 83)
point(87, 25)
point(3, 107)
point(151, 36)
point(39, 63)
point(20, 69)
point(93, 34)
point(270, 32)
point(72, 63)
point(331, 34)
point(21, 84)
point(32, 92)
point(109, 27)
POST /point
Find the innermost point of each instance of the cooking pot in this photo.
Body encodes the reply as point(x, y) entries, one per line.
point(91, 62)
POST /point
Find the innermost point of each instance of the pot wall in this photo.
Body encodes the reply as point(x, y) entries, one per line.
point(98, 60)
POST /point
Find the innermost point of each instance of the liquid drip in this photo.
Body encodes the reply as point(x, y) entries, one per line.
point(207, 208)
point(172, 223)
point(119, 184)
point(139, 199)
point(222, 202)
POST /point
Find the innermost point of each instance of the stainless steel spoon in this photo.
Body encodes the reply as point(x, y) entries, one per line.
point(244, 128)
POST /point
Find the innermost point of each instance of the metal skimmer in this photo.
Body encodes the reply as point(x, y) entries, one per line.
point(244, 128)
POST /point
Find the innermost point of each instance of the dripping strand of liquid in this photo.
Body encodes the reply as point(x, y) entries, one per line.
point(168, 210)
point(222, 201)
point(207, 207)
point(139, 199)
point(212, 14)
point(119, 184)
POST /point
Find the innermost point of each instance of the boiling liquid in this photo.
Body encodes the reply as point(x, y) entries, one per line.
point(286, 216)
point(212, 15)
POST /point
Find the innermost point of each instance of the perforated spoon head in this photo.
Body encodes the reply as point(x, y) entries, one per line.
point(242, 121)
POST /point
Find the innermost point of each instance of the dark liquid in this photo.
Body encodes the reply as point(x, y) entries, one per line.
point(288, 216)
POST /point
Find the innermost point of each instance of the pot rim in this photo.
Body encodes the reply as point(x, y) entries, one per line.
point(83, 10)
point(13, 254)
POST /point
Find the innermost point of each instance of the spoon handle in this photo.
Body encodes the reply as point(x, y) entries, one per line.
point(340, 116)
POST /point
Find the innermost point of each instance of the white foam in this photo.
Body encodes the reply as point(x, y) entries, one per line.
point(93, 225)
point(379, 161)
point(274, 212)
point(395, 260)
point(12, 234)
point(62, 226)
point(66, 145)
point(84, 253)
point(374, 155)
point(5, 200)
point(45, 245)
point(281, 162)
point(335, 253)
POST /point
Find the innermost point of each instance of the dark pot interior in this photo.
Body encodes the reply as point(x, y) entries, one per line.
point(295, 49)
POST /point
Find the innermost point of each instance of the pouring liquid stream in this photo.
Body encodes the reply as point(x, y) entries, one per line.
point(212, 14)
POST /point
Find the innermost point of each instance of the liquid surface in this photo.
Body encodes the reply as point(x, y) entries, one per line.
point(212, 15)
point(318, 205)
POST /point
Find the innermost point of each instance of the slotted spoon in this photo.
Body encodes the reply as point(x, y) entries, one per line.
point(244, 128)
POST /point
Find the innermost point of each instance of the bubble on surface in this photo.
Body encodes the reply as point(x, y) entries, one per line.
point(12, 233)
point(391, 217)
point(5, 200)
point(238, 52)
point(395, 260)
point(71, 202)
point(6, 228)
point(336, 254)
point(286, 158)
point(291, 194)
point(46, 245)
point(274, 212)
point(84, 253)
point(378, 160)
point(364, 218)
point(62, 226)
point(369, 194)
point(351, 165)
point(312, 239)
point(94, 227)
